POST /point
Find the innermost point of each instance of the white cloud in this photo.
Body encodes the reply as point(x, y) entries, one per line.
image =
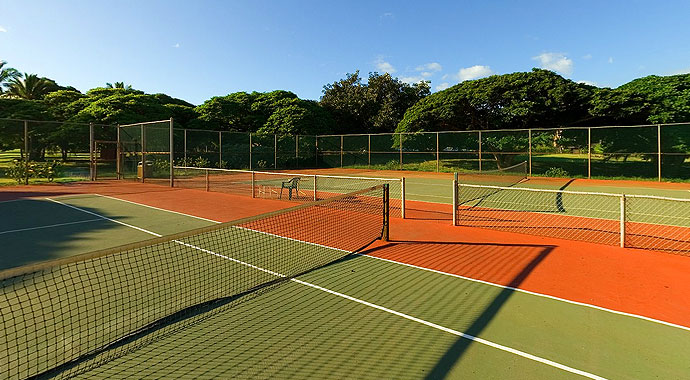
point(442, 86)
point(610, 59)
point(430, 67)
point(588, 82)
point(177, 45)
point(427, 74)
point(387, 15)
point(2, 29)
point(474, 72)
point(412, 79)
point(556, 62)
point(681, 71)
point(587, 56)
point(384, 66)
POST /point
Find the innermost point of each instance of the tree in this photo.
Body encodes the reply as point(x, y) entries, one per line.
point(376, 106)
point(298, 117)
point(7, 74)
point(120, 85)
point(29, 87)
point(232, 112)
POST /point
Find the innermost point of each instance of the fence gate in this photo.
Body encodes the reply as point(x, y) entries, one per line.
point(104, 161)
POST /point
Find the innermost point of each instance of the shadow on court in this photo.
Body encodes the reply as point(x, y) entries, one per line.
point(502, 263)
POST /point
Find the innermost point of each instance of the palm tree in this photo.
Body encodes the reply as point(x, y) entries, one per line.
point(118, 85)
point(6, 75)
point(29, 87)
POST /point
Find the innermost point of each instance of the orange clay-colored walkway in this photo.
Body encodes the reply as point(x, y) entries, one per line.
point(648, 283)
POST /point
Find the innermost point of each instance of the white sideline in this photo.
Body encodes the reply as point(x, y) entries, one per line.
point(48, 226)
point(156, 208)
point(378, 307)
point(648, 319)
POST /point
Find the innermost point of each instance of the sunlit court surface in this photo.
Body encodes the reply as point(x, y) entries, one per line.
point(292, 288)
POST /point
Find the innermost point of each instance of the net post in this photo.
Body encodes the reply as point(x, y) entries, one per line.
point(341, 151)
point(385, 234)
point(275, 151)
point(480, 151)
point(253, 181)
point(315, 187)
point(118, 161)
point(438, 155)
point(26, 152)
point(658, 140)
point(172, 155)
point(622, 220)
point(143, 154)
point(529, 151)
point(589, 153)
point(208, 185)
point(402, 197)
point(92, 164)
point(455, 202)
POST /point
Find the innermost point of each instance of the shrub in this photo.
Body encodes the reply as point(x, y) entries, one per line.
point(557, 172)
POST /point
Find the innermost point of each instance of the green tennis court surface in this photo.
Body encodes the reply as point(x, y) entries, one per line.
point(280, 296)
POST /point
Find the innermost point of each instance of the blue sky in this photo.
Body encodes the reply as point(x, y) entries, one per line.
point(196, 49)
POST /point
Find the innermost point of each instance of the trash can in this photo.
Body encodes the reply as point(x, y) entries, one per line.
point(149, 170)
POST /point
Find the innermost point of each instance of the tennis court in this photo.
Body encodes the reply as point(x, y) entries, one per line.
point(280, 295)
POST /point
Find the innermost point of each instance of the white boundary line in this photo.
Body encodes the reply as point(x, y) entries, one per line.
point(378, 307)
point(48, 226)
point(649, 319)
point(157, 208)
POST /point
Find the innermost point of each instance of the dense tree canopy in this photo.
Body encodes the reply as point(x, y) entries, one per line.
point(375, 106)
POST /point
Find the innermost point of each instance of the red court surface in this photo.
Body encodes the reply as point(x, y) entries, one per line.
point(647, 283)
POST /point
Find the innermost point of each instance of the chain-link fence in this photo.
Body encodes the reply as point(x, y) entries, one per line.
point(46, 151)
point(647, 152)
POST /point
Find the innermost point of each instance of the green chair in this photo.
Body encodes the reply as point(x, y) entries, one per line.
point(293, 183)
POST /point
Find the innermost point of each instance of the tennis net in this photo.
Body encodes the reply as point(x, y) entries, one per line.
point(294, 186)
point(500, 177)
point(64, 317)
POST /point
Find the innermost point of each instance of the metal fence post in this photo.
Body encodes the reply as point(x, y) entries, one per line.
point(275, 151)
point(622, 221)
point(438, 155)
point(253, 196)
point(220, 150)
point(369, 150)
point(250, 151)
point(118, 160)
point(172, 154)
point(92, 159)
point(143, 153)
point(529, 151)
point(316, 153)
point(341, 151)
point(658, 139)
point(26, 152)
point(185, 148)
point(589, 153)
point(480, 150)
point(297, 151)
point(400, 147)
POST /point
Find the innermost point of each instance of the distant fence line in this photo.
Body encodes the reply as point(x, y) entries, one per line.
point(658, 151)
